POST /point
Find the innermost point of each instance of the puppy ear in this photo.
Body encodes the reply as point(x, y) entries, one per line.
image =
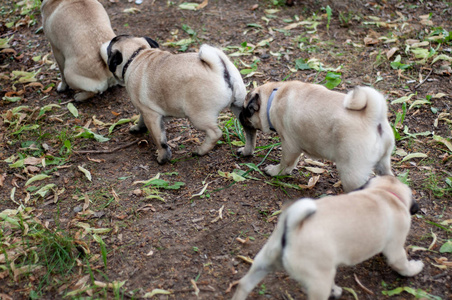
point(253, 106)
point(151, 42)
point(114, 60)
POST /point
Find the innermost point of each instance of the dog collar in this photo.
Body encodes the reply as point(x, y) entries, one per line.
point(130, 60)
point(269, 104)
point(397, 196)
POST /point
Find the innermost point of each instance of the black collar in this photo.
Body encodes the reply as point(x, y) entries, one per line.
point(269, 104)
point(130, 60)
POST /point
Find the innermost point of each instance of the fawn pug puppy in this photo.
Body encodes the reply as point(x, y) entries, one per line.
point(313, 237)
point(76, 30)
point(160, 84)
point(351, 129)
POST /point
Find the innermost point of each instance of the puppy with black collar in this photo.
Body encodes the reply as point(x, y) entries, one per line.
point(313, 237)
point(76, 30)
point(350, 129)
point(160, 84)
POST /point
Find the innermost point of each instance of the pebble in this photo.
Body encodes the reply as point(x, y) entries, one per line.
point(78, 209)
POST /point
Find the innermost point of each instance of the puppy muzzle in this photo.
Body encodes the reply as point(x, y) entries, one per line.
point(245, 122)
point(414, 208)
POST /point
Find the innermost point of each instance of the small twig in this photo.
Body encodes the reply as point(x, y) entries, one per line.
point(64, 103)
point(108, 150)
point(362, 286)
point(426, 77)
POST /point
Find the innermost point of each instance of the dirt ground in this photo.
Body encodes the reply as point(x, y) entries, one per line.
point(193, 246)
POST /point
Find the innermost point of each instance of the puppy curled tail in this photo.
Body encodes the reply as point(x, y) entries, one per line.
point(295, 214)
point(368, 100)
point(220, 64)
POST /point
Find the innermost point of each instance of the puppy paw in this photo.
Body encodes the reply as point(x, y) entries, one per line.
point(82, 96)
point(414, 267)
point(273, 170)
point(163, 156)
point(244, 152)
point(62, 86)
point(137, 129)
point(336, 292)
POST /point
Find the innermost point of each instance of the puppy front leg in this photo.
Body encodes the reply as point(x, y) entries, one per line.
point(289, 160)
point(398, 261)
point(250, 143)
point(154, 122)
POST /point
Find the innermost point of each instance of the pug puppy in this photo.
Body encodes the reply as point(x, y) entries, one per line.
point(351, 129)
point(160, 84)
point(76, 30)
point(313, 237)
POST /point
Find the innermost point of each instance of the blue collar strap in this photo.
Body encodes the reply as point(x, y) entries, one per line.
point(269, 104)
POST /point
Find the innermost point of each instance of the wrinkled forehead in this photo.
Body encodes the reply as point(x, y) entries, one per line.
point(115, 41)
point(250, 95)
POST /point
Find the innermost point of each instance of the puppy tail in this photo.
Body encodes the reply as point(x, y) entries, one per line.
point(368, 100)
point(219, 62)
point(295, 215)
point(299, 211)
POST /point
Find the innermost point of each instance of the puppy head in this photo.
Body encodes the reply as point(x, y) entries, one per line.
point(249, 116)
point(396, 187)
point(121, 49)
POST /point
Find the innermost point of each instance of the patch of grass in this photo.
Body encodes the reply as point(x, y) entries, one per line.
point(438, 185)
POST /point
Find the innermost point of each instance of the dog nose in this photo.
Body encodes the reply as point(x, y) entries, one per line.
point(414, 208)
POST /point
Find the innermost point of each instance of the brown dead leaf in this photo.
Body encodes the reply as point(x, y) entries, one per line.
point(47, 90)
point(33, 169)
point(115, 113)
point(444, 261)
point(370, 41)
point(24, 270)
point(35, 84)
point(115, 195)
point(96, 160)
point(137, 192)
point(33, 161)
point(86, 204)
point(2, 179)
point(202, 5)
point(245, 258)
point(391, 52)
point(9, 50)
point(425, 20)
point(146, 208)
point(311, 183)
point(5, 296)
point(243, 241)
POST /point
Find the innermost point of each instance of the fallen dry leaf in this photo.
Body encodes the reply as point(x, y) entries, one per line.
point(2, 179)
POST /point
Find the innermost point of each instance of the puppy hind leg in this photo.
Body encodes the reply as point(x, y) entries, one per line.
point(320, 285)
point(88, 87)
point(62, 86)
point(213, 133)
point(140, 127)
point(266, 261)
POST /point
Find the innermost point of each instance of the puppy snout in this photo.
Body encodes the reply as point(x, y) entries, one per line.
point(244, 121)
point(414, 208)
